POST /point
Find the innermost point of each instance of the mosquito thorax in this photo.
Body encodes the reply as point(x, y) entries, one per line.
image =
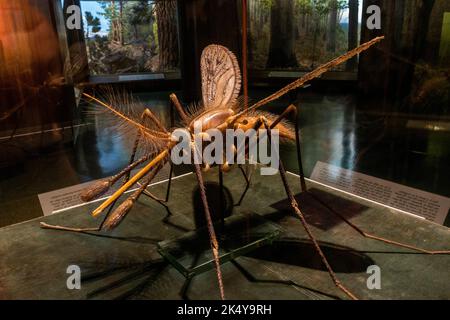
point(210, 119)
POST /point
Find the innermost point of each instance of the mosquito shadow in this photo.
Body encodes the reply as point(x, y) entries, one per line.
point(250, 277)
point(316, 213)
point(302, 253)
point(136, 239)
point(142, 275)
point(220, 203)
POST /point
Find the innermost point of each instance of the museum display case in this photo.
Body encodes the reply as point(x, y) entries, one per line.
point(248, 149)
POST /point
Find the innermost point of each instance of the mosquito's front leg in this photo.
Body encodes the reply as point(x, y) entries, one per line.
point(212, 234)
point(179, 108)
point(151, 116)
point(112, 200)
point(95, 190)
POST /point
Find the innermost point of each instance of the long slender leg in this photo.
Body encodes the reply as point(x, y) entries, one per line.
point(299, 213)
point(359, 230)
point(95, 190)
point(150, 115)
point(146, 114)
point(102, 186)
point(133, 154)
point(374, 237)
point(299, 153)
point(293, 109)
point(247, 185)
point(169, 184)
point(105, 219)
point(257, 125)
point(212, 233)
point(221, 199)
point(119, 214)
point(179, 108)
point(348, 222)
point(310, 291)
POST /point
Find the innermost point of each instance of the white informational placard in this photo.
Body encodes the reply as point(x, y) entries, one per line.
point(421, 203)
point(62, 199)
point(68, 198)
point(54, 201)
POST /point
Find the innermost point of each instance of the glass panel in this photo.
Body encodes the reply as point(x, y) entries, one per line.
point(241, 235)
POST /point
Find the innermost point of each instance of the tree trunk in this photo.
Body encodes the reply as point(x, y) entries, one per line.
point(425, 9)
point(166, 12)
point(113, 22)
point(136, 32)
point(121, 22)
point(282, 36)
point(332, 25)
point(352, 32)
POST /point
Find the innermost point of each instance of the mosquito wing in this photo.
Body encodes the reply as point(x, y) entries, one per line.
point(221, 77)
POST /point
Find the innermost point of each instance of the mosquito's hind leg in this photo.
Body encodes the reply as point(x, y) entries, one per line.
point(374, 237)
point(348, 222)
point(294, 205)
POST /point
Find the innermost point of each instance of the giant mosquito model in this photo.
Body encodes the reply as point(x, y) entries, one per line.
point(221, 84)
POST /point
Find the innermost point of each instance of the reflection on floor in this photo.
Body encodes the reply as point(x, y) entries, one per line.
point(334, 131)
